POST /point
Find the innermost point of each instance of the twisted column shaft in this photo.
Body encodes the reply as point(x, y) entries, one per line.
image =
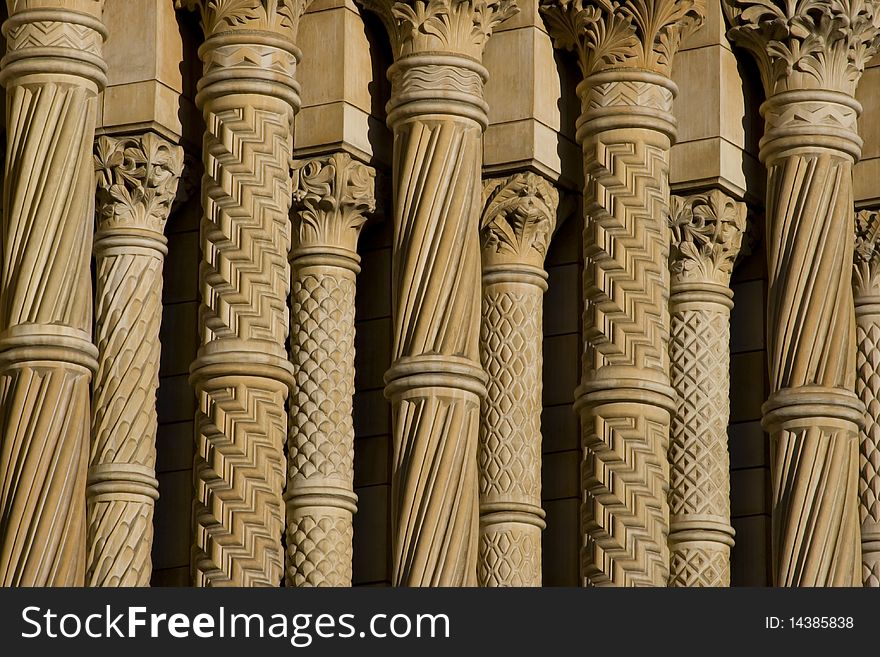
point(707, 231)
point(519, 215)
point(137, 181)
point(52, 72)
point(866, 288)
point(242, 374)
point(331, 196)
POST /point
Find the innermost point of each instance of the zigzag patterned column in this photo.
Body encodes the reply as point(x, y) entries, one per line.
point(137, 181)
point(438, 115)
point(809, 147)
point(53, 70)
point(626, 129)
point(332, 196)
point(866, 289)
point(707, 231)
point(242, 375)
point(519, 216)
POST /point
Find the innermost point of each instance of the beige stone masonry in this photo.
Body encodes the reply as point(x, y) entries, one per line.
point(707, 231)
point(435, 384)
point(242, 374)
point(332, 196)
point(811, 55)
point(519, 216)
point(137, 182)
point(46, 353)
point(625, 400)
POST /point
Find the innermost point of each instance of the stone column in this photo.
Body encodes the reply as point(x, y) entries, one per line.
point(625, 401)
point(137, 181)
point(519, 215)
point(242, 374)
point(332, 196)
point(435, 384)
point(811, 56)
point(866, 289)
point(707, 231)
point(52, 72)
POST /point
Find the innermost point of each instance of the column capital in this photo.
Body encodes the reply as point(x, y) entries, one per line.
point(519, 216)
point(866, 259)
point(449, 26)
point(137, 181)
point(280, 17)
point(614, 34)
point(807, 44)
point(707, 233)
point(332, 197)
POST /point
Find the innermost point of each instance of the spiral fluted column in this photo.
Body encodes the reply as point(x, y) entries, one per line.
point(625, 400)
point(866, 290)
point(137, 181)
point(53, 71)
point(707, 231)
point(242, 374)
point(519, 216)
point(332, 196)
point(809, 147)
point(435, 384)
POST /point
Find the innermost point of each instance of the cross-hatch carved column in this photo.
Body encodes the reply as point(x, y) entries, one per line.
point(866, 289)
point(52, 72)
point(811, 55)
point(519, 215)
point(242, 374)
point(332, 196)
point(626, 129)
point(137, 181)
point(435, 384)
point(707, 231)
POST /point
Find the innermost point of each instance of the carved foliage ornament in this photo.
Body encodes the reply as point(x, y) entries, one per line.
point(458, 26)
point(707, 231)
point(519, 216)
point(814, 44)
point(281, 16)
point(866, 260)
point(137, 180)
point(622, 33)
point(332, 197)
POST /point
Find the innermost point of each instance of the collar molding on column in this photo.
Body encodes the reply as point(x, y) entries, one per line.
point(610, 34)
point(807, 44)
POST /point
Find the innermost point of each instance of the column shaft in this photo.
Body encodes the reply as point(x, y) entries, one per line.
point(52, 72)
point(137, 181)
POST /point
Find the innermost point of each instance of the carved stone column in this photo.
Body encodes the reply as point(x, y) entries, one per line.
point(707, 231)
point(519, 215)
point(137, 181)
point(332, 196)
point(811, 56)
point(866, 289)
point(242, 374)
point(52, 72)
point(435, 384)
point(625, 400)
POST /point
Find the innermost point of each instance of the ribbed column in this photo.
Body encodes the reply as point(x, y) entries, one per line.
point(809, 146)
point(866, 290)
point(137, 181)
point(242, 374)
point(332, 196)
point(625, 400)
point(435, 383)
point(519, 215)
point(52, 72)
point(707, 231)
